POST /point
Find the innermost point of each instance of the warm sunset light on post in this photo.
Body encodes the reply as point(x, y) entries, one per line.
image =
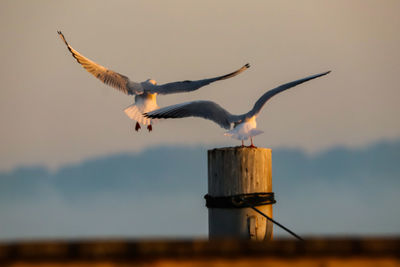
point(239, 174)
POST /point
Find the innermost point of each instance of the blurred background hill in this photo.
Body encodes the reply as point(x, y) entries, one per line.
point(158, 193)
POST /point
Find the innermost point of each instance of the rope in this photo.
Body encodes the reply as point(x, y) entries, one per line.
point(247, 201)
point(240, 201)
point(280, 225)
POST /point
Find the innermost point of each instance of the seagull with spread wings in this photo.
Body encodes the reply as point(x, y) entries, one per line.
point(244, 125)
point(145, 92)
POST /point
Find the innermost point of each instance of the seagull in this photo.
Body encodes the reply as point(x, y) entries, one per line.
point(145, 92)
point(244, 126)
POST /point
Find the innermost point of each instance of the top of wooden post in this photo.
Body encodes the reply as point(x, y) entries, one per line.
point(239, 170)
point(238, 148)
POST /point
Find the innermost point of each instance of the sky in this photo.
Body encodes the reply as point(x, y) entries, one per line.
point(54, 113)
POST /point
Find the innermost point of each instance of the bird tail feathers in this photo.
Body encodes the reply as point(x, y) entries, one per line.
point(135, 114)
point(255, 132)
point(242, 136)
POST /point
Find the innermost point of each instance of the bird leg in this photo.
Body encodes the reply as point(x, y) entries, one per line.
point(242, 143)
point(252, 145)
point(137, 127)
point(150, 128)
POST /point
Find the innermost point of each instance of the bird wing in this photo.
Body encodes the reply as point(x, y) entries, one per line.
point(109, 77)
point(203, 109)
point(265, 97)
point(188, 86)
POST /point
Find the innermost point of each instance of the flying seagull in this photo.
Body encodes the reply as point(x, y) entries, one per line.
point(244, 126)
point(145, 92)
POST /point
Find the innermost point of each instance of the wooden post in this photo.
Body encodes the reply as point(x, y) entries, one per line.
point(234, 171)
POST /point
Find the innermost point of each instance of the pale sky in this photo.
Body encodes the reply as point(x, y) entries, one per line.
point(53, 112)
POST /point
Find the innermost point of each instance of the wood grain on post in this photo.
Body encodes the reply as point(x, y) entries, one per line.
point(233, 171)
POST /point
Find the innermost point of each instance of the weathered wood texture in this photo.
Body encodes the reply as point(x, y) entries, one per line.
point(239, 170)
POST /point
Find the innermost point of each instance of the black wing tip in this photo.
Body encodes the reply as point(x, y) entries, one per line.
point(155, 116)
point(320, 74)
point(61, 34)
point(62, 37)
point(247, 65)
point(323, 73)
point(147, 115)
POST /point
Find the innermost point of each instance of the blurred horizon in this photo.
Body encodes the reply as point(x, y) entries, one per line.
point(159, 193)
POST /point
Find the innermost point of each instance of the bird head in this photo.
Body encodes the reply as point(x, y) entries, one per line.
point(151, 81)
